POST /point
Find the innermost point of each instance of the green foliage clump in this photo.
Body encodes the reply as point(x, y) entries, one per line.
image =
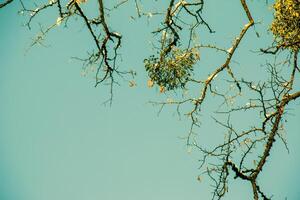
point(286, 23)
point(172, 71)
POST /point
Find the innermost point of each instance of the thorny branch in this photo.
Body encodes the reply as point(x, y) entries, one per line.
point(272, 98)
point(107, 42)
point(173, 23)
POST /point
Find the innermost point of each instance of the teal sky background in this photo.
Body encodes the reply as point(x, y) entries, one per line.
point(58, 142)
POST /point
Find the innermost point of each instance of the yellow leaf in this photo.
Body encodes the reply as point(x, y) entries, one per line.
point(161, 89)
point(150, 83)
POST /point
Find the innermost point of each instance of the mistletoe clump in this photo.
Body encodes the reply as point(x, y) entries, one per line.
point(286, 23)
point(173, 70)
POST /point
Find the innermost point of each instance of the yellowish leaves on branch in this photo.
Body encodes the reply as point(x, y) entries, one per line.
point(173, 70)
point(286, 23)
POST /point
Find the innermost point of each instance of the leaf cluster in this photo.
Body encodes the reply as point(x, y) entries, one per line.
point(286, 23)
point(172, 71)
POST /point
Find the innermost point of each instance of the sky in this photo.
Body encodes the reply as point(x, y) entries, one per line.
point(58, 141)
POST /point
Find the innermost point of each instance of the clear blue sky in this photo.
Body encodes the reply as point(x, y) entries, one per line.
point(57, 142)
